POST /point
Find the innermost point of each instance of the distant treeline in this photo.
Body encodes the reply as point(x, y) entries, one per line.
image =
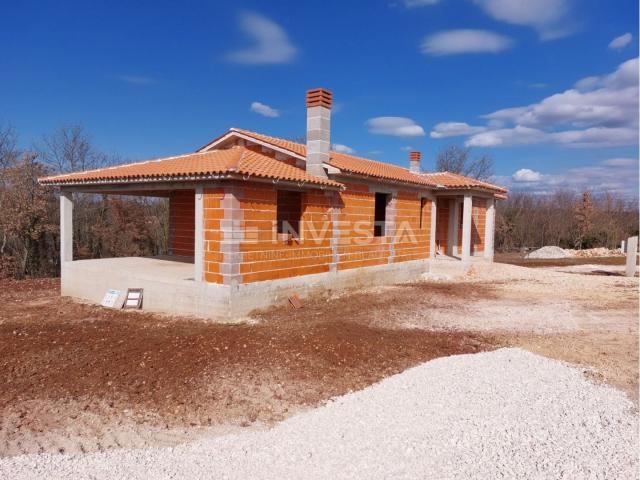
point(104, 226)
point(115, 226)
point(565, 218)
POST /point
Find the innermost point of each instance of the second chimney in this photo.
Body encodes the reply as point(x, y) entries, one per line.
point(318, 130)
point(414, 162)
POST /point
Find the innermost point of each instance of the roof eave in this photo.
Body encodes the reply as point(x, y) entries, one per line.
point(189, 178)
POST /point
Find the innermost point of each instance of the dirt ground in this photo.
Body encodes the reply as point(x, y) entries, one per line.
point(77, 377)
point(519, 259)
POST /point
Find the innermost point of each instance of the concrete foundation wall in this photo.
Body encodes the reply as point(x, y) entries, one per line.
point(177, 293)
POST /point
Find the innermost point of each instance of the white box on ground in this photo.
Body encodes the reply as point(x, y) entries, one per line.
point(110, 298)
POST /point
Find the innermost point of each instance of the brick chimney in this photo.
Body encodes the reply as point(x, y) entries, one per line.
point(318, 130)
point(414, 162)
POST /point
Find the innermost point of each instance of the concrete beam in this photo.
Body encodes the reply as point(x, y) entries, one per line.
point(489, 229)
point(66, 226)
point(466, 228)
point(198, 255)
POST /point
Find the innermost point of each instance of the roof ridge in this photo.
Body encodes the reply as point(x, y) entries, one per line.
point(241, 130)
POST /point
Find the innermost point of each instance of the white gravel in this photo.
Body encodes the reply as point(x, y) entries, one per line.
point(548, 252)
point(502, 414)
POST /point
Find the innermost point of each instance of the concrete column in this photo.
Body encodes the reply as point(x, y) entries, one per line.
point(232, 236)
point(66, 226)
point(632, 255)
point(489, 229)
point(432, 236)
point(452, 234)
point(198, 255)
point(466, 228)
point(390, 227)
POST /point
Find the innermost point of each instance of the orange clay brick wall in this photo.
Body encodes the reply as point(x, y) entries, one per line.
point(213, 215)
point(478, 218)
point(442, 224)
point(357, 247)
point(182, 222)
point(266, 259)
point(413, 227)
point(348, 215)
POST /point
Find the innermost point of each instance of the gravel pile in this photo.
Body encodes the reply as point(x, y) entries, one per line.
point(506, 413)
point(548, 252)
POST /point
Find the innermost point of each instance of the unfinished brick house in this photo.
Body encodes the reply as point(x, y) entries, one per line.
point(255, 218)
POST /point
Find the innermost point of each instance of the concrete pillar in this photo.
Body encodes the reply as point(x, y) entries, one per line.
point(466, 228)
point(390, 227)
point(232, 235)
point(66, 226)
point(632, 255)
point(432, 237)
point(198, 255)
point(489, 229)
point(452, 234)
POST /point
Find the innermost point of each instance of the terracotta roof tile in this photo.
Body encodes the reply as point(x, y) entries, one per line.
point(242, 161)
point(348, 163)
point(453, 180)
point(238, 160)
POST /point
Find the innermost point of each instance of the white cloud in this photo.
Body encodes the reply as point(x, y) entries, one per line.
point(454, 129)
point(406, 148)
point(621, 41)
point(338, 147)
point(419, 3)
point(517, 135)
point(615, 175)
point(271, 43)
point(602, 111)
point(395, 126)
point(137, 79)
point(453, 42)
point(551, 18)
point(621, 162)
point(526, 175)
point(264, 110)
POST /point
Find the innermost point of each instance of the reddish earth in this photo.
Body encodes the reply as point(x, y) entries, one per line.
point(77, 377)
point(60, 359)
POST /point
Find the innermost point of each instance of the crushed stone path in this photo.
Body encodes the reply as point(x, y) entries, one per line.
point(501, 414)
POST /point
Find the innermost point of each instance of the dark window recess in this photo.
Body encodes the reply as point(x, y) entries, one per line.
point(423, 204)
point(380, 214)
point(289, 211)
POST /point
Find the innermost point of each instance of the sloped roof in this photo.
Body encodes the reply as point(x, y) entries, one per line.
point(346, 163)
point(237, 160)
point(454, 180)
point(240, 160)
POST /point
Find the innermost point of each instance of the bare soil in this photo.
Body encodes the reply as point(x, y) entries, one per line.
point(80, 377)
point(77, 377)
point(520, 260)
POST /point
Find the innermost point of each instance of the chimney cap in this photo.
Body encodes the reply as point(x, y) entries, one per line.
point(415, 155)
point(319, 97)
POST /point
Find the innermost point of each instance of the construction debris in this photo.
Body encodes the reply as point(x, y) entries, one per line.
point(557, 252)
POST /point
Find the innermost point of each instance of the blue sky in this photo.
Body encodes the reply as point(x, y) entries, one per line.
point(505, 77)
